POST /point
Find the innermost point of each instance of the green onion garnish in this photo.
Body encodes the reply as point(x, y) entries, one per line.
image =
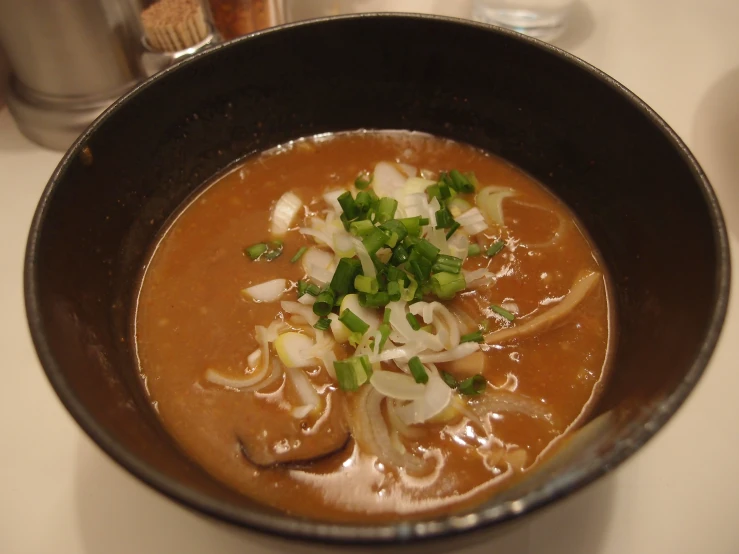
point(348, 205)
point(495, 248)
point(395, 226)
point(394, 290)
point(472, 337)
point(446, 285)
point(324, 303)
point(453, 229)
point(322, 324)
point(503, 312)
point(361, 228)
point(473, 385)
point(386, 315)
point(460, 183)
point(444, 219)
point(421, 269)
point(417, 370)
point(386, 209)
point(413, 321)
point(450, 264)
point(275, 251)
point(400, 255)
point(384, 334)
point(376, 300)
point(364, 201)
point(256, 250)
point(412, 225)
point(366, 284)
point(343, 280)
point(304, 287)
point(426, 249)
point(362, 182)
point(298, 254)
point(449, 379)
point(474, 249)
point(353, 372)
point(374, 240)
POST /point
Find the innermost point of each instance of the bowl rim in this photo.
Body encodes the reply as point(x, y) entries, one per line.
point(287, 526)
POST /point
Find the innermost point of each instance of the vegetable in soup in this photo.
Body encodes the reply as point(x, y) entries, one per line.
point(367, 326)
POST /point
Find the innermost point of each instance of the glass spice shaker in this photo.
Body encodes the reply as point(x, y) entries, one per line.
point(235, 18)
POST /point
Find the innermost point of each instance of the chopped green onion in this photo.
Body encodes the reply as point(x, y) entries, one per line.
point(434, 191)
point(460, 183)
point(376, 300)
point(274, 252)
point(298, 254)
point(423, 221)
point(421, 269)
point(324, 303)
point(384, 334)
point(472, 337)
point(503, 312)
point(412, 225)
point(386, 209)
point(453, 229)
point(364, 201)
point(394, 290)
point(445, 179)
point(395, 226)
point(444, 219)
point(413, 321)
point(495, 248)
point(417, 370)
point(400, 255)
point(426, 249)
point(449, 379)
point(450, 264)
point(474, 249)
point(366, 284)
point(256, 250)
point(361, 228)
point(352, 372)
point(343, 280)
point(374, 240)
point(345, 221)
point(473, 385)
point(445, 285)
point(323, 324)
point(409, 292)
point(361, 183)
point(348, 205)
point(386, 315)
point(304, 287)
point(392, 239)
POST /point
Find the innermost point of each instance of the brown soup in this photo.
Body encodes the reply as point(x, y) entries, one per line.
point(448, 382)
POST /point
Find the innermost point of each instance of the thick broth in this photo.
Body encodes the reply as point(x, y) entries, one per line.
point(192, 317)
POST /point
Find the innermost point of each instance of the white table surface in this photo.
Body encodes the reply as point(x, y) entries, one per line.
point(680, 494)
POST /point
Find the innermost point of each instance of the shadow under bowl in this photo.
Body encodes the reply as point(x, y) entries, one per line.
point(634, 185)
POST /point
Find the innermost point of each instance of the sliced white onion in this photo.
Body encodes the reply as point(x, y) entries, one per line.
point(305, 389)
point(397, 353)
point(457, 206)
point(299, 309)
point(368, 268)
point(408, 169)
point(320, 236)
point(511, 307)
point(343, 244)
point(295, 350)
point(307, 300)
point(404, 332)
point(332, 199)
point(437, 237)
point(415, 205)
point(436, 398)
point(456, 353)
point(284, 212)
point(386, 179)
point(324, 351)
point(472, 221)
point(397, 385)
point(253, 358)
point(438, 315)
point(459, 245)
point(478, 277)
point(269, 291)
point(415, 185)
point(317, 265)
point(490, 201)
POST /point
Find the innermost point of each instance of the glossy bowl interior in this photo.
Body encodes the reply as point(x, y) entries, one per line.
point(634, 185)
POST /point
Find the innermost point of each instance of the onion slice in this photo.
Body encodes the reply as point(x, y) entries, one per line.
point(490, 201)
point(551, 317)
point(284, 212)
point(397, 385)
point(472, 221)
point(269, 291)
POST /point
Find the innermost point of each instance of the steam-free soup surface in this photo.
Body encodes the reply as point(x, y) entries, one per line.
point(540, 309)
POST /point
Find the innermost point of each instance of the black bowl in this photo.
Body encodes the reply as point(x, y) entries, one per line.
point(633, 183)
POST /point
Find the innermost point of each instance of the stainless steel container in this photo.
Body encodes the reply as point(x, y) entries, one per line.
point(69, 60)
